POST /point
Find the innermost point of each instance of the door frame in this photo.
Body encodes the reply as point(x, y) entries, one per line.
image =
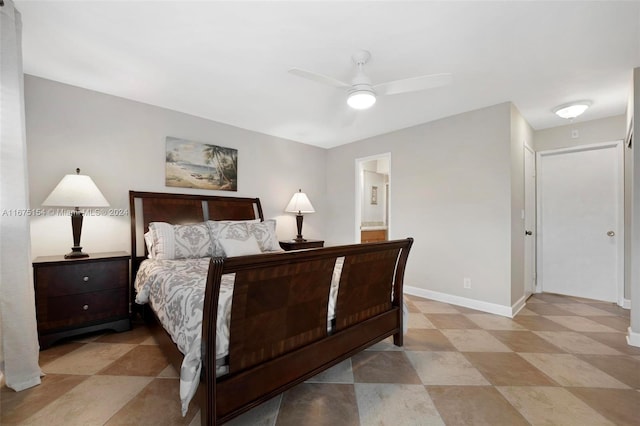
point(534, 262)
point(359, 194)
point(618, 145)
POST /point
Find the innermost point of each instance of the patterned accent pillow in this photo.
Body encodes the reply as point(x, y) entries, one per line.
point(228, 230)
point(240, 247)
point(265, 233)
point(181, 241)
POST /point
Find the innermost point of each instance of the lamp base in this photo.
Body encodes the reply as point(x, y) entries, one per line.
point(300, 240)
point(76, 252)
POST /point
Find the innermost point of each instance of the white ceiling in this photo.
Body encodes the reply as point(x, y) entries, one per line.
point(228, 61)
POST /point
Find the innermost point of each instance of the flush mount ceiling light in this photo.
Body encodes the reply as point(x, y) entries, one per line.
point(572, 110)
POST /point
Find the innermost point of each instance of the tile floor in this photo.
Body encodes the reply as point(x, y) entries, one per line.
point(561, 361)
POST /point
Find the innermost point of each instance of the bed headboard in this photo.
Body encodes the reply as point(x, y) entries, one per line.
point(179, 209)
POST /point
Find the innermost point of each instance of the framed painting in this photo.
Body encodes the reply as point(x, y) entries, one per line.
point(374, 195)
point(199, 165)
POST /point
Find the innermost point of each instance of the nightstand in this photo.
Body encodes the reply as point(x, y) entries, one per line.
point(297, 245)
point(76, 296)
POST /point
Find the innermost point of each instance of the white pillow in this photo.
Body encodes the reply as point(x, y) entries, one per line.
point(148, 242)
point(228, 230)
point(181, 241)
point(233, 247)
point(265, 234)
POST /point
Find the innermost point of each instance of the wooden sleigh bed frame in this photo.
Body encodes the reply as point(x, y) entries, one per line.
point(278, 326)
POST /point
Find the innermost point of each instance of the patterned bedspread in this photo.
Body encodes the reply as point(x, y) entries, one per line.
point(175, 290)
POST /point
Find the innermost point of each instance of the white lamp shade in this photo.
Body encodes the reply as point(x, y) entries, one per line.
point(299, 204)
point(76, 191)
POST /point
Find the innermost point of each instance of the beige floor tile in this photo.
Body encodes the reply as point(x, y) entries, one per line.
point(620, 324)
point(419, 320)
point(451, 321)
point(552, 406)
point(393, 404)
point(617, 341)
point(157, 404)
point(149, 341)
point(526, 312)
point(569, 370)
point(474, 341)
point(620, 406)
point(577, 323)
point(551, 298)
point(576, 343)
point(263, 415)
point(445, 368)
point(525, 341)
point(88, 359)
point(547, 309)
point(383, 367)
point(474, 405)
point(15, 407)
point(583, 309)
point(142, 360)
point(385, 345)
point(433, 307)
point(339, 373)
point(136, 335)
point(92, 402)
point(56, 351)
point(508, 369)
point(622, 367)
point(538, 323)
point(169, 372)
point(494, 322)
point(319, 404)
point(426, 340)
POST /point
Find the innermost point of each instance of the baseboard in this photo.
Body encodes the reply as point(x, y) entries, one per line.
point(626, 303)
point(491, 308)
point(633, 338)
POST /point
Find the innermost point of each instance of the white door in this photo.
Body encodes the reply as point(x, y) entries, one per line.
point(529, 221)
point(580, 221)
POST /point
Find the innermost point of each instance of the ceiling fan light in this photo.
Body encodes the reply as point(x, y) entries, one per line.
point(361, 99)
point(572, 110)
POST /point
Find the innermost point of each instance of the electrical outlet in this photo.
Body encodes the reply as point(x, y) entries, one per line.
point(467, 282)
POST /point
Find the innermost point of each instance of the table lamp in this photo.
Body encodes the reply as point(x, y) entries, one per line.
point(299, 204)
point(76, 191)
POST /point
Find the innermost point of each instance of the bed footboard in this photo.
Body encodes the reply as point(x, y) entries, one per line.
point(278, 328)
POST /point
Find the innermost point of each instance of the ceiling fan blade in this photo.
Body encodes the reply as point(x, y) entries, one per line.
point(413, 84)
point(320, 78)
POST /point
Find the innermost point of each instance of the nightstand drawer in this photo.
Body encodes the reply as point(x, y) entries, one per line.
point(67, 311)
point(61, 280)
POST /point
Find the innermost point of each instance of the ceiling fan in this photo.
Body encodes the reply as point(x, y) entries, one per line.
point(362, 93)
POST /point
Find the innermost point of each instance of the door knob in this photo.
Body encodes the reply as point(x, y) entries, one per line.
point(528, 233)
point(611, 233)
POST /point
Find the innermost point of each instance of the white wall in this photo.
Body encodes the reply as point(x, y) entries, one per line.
point(121, 145)
point(373, 212)
point(593, 131)
point(450, 190)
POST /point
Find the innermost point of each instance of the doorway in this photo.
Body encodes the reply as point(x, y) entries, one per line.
point(373, 190)
point(581, 222)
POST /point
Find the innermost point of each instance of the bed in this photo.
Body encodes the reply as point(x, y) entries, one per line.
point(288, 315)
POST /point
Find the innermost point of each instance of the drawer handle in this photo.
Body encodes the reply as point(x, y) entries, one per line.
point(85, 279)
point(85, 307)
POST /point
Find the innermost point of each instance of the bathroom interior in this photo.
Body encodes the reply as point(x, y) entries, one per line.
point(374, 208)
